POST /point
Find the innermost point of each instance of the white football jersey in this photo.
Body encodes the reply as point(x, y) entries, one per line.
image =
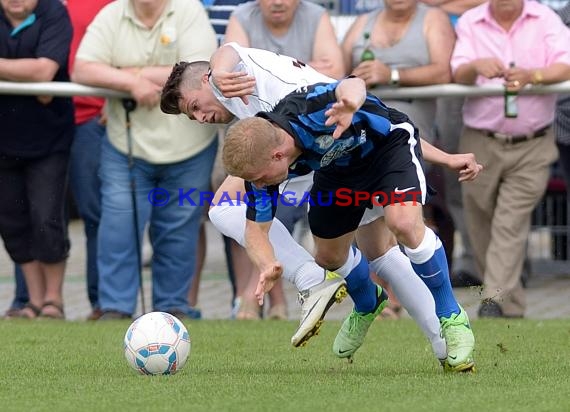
point(275, 76)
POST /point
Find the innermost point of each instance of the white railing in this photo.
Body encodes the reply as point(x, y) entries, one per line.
point(425, 92)
point(57, 89)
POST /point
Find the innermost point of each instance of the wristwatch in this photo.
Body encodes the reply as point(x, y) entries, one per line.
point(394, 77)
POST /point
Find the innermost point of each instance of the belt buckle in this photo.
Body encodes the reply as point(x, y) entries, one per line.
point(502, 136)
point(505, 138)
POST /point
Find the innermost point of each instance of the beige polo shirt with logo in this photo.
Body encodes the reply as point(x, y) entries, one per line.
point(116, 37)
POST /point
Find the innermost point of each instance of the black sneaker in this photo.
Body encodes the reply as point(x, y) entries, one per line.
point(490, 309)
point(114, 315)
point(177, 313)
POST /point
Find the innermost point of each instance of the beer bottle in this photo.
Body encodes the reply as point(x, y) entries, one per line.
point(367, 54)
point(511, 107)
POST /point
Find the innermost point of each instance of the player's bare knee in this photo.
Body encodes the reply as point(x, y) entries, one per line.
point(403, 228)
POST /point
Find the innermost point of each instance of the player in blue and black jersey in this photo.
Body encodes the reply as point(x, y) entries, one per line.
point(362, 149)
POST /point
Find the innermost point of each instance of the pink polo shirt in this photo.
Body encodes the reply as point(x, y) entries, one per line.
point(537, 39)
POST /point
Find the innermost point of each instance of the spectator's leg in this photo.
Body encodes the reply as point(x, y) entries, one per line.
point(200, 257)
point(47, 188)
point(20, 291)
point(86, 188)
point(174, 229)
point(15, 223)
point(449, 120)
point(116, 246)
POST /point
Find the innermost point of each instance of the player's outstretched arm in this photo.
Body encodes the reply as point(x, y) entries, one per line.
point(261, 253)
point(230, 83)
point(350, 95)
point(464, 163)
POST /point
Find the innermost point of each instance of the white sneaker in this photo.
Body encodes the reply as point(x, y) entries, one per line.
point(315, 302)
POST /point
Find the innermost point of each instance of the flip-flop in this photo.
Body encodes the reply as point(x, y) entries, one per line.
point(23, 314)
point(248, 310)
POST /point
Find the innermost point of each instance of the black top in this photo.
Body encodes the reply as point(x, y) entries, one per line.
point(29, 128)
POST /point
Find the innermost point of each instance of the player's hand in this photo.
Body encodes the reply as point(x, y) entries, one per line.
point(267, 278)
point(466, 165)
point(234, 84)
point(340, 113)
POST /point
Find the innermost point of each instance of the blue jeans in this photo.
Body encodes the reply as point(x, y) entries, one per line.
point(173, 228)
point(86, 187)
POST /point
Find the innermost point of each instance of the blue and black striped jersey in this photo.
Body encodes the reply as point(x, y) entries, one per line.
point(302, 115)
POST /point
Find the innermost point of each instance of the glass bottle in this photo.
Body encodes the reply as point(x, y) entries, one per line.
point(511, 106)
point(367, 54)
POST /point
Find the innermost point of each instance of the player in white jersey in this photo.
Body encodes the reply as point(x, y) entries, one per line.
point(253, 80)
point(275, 77)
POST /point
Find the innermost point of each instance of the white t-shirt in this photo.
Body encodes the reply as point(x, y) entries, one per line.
point(275, 76)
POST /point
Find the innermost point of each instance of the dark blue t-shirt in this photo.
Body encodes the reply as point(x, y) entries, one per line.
point(29, 128)
point(302, 115)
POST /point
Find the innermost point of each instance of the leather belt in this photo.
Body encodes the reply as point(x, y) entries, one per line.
point(517, 138)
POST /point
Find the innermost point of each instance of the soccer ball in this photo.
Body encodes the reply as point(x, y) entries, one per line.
point(157, 344)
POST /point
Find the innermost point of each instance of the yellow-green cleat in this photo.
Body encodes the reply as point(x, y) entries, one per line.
point(351, 335)
point(458, 335)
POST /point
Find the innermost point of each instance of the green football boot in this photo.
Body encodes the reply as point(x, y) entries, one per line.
point(354, 328)
point(458, 335)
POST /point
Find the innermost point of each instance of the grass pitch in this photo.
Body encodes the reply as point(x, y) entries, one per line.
point(522, 365)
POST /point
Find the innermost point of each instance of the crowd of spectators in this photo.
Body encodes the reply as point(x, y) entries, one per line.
point(112, 156)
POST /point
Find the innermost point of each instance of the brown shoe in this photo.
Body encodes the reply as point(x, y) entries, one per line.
point(95, 314)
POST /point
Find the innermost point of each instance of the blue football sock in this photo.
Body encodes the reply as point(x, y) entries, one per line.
point(361, 288)
point(435, 274)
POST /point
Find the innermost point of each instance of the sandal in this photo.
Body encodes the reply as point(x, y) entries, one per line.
point(32, 313)
point(57, 314)
point(248, 310)
point(278, 312)
point(12, 313)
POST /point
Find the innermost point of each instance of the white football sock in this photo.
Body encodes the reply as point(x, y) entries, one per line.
point(299, 267)
point(425, 249)
point(352, 260)
point(395, 268)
